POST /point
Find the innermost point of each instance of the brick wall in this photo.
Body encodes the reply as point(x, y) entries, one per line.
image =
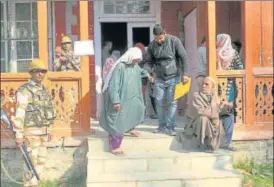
point(60, 21)
point(92, 62)
point(169, 17)
point(228, 17)
point(75, 27)
point(60, 30)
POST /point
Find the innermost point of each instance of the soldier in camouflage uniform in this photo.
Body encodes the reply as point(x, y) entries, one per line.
point(65, 59)
point(34, 115)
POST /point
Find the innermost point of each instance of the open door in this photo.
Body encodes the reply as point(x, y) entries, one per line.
point(139, 32)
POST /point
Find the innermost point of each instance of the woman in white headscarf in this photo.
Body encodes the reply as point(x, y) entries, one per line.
point(123, 106)
point(228, 59)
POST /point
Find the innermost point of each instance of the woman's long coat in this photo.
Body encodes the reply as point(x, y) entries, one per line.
point(125, 88)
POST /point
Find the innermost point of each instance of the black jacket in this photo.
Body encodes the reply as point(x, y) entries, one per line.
point(168, 59)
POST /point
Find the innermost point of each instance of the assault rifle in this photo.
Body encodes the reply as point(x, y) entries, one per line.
point(69, 57)
point(22, 147)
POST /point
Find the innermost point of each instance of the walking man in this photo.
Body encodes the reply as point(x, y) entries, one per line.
point(34, 114)
point(168, 57)
point(106, 51)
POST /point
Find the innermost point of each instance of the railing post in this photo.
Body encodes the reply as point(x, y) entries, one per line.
point(84, 35)
point(42, 16)
point(251, 45)
point(211, 39)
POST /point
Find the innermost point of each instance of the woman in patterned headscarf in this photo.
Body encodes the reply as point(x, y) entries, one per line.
point(228, 59)
point(110, 61)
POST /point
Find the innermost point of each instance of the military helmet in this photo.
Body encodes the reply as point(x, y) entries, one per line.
point(66, 39)
point(37, 64)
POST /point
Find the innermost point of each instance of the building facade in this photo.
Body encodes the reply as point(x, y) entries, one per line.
point(31, 29)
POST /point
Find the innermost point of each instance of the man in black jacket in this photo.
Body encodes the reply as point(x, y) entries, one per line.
point(168, 57)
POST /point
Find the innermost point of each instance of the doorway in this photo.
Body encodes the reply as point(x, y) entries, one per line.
point(116, 33)
point(133, 21)
point(139, 33)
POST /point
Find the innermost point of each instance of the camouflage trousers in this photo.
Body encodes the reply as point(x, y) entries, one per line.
point(37, 149)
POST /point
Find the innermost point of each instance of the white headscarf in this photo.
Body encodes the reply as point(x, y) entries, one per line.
point(131, 54)
point(225, 51)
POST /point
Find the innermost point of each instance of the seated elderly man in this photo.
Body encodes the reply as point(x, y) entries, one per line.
point(206, 127)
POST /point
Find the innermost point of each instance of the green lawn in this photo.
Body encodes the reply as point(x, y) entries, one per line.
point(77, 179)
point(256, 175)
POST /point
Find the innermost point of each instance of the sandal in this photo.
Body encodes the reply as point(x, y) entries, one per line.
point(133, 133)
point(209, 151)
point(117, 153)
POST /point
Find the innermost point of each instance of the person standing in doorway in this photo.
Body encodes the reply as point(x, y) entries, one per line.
point(168, 57)
point(202, 63)
point(107, 47)
point(110, 61)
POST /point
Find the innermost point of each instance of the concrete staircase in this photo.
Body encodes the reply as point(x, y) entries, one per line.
point(156, 160)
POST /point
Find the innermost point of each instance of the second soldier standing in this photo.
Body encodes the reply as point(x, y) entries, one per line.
point(65, 59)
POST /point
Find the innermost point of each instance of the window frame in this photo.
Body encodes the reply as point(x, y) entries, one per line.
point(10, 36)
point(152, 12)
point(5, 39)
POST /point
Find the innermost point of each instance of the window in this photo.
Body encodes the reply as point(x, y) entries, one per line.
point(18, 35)
point(126, 7)
point(3, 41)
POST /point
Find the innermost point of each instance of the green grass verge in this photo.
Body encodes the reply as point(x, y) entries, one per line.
point(48, 183)
point(256, 175)
point(77, 179)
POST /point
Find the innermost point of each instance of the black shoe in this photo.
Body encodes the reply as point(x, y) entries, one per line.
point(153, 117)
point(171, 132)
point(160, 129)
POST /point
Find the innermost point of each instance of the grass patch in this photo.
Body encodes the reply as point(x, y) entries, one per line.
point(48, 183)
point(256, 175)
point(77, 179)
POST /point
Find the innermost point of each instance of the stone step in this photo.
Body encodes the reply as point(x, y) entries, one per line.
point(166, 179)
point(165, 161)
point(148, 141)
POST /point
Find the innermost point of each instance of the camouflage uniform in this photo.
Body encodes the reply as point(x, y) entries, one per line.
point(34, 114)
point(71, 64)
